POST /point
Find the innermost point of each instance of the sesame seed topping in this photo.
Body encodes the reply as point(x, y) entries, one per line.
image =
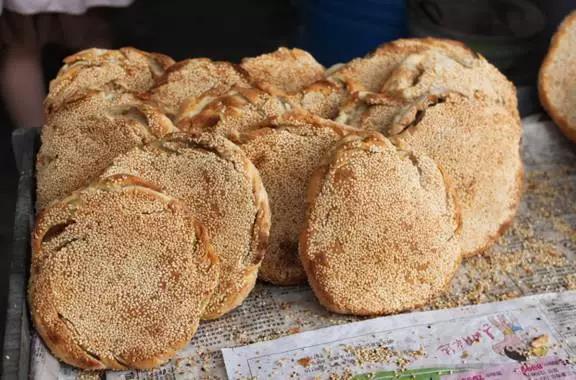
point(220, 186)
point(120, 276)
point(380, 233)
point(285, 154)
point(83, 137)
point(284, 70)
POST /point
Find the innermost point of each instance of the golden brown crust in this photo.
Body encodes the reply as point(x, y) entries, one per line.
point(144, 293)
point(285, 153)
point(239, 110)
point(478, 146)
point(549, 78)
point(409, 68)
point(371, 111)
point(123, 70)
point(283, 71)
point(223, 189)
point(191, 78)
point(83, 137)
point(354, 288)
point(323, 98)
point(507, 222)
point(455, 48)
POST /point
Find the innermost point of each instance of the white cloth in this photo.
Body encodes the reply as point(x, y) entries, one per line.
point(75, 7)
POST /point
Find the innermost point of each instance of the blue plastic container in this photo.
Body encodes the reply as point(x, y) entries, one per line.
point(338, 30)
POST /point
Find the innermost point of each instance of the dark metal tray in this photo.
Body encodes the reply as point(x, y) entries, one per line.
point(16, 351)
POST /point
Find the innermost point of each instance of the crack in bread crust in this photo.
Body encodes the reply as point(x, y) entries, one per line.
point(191, 78)
point(122, 70)
point(284, 71)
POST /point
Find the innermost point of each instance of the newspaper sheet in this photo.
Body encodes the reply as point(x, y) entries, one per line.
point(536, 255)
point(530, 337)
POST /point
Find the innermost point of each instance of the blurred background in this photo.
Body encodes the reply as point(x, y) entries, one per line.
point(512, 34)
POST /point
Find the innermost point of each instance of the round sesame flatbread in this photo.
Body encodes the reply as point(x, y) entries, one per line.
point(369, 73)
point(433, 71)
point(477, 145)
point(557, 79)
point(381, 232)
point(286, 153)
point(120, 275)
point(84, 136)
point(193, 77)
point(284, 71)
point(122, 70)
point(223, 190)
point(407, 69)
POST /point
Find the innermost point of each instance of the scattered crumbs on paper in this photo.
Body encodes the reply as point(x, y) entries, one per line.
point(525, 258)
point(540, 341)
point(381, 353)
point(346, 375)
point(570, 281)
point(90, 375)
point(294, 330)
point(304, 362)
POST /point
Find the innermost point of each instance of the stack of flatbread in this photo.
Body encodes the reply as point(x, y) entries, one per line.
point(165, 190)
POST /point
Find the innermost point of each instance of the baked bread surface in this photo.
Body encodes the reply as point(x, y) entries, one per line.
point(223, 190)
point(120, 275)
point(286, 153)
point(381, 231)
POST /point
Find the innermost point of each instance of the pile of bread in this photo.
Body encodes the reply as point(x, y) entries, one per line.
point(165, 190)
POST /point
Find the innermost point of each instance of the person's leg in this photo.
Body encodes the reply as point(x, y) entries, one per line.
point(22, 85)
point(21, 75)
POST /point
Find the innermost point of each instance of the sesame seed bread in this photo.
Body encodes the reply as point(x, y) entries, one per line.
point(283, 71)
point(410, 68)
point(557, 79)
point(371, 111)
point(124, 70)
point(223, 190)
point(192, 78)
point(381, 231)
point(120, 276)
point(433, 71)
point(237, 111)
point(370, 72)
point(82, 139)
point(285, 153)
point(477, 145)
point(323, 98)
